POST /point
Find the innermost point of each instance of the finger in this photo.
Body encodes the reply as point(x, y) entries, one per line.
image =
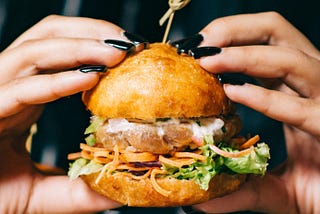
point(287, 64)
point(55, 26)
point(262, 28)
point(300, 112)
point(40, 89)
point(66, 197)
point(264, 194)
point(56, 54)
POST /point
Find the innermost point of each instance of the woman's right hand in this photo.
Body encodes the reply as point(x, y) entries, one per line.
point(35, 69)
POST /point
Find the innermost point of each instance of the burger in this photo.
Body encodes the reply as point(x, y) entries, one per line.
point(163, 133)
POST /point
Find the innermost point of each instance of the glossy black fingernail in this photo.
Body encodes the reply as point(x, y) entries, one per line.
point(136, 39)
point(204, 51)
point(184, 45)
point(121, 45)
point(179, 43)
point(190, 210)
point(233, 79)
point(93, 68)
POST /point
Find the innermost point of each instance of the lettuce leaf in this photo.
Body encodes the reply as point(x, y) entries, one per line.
point(83, 167)
point(203, 172)
point(255, 162)
point(96, 122)
point(90, 140)
point(200, 172)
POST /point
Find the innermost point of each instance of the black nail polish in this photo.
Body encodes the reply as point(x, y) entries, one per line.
point(204, 51)
point(121, 45)
point(93, 68)
point(190, 210)
point(136, 39)
point(233, 79)
point(191, 43)
point(184, 45)
point(180, 42)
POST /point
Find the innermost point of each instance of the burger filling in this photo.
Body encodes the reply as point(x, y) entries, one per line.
point(192, 149)
point(163, 136)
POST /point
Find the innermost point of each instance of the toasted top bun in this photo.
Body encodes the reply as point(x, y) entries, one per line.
point(157, 83)
point(122, 188)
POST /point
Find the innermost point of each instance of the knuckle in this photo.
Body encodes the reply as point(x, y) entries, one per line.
point(47, 24)
point(217, 32)
point(274, 17)
point(50, 18)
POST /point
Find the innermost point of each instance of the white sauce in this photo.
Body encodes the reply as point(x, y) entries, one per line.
point(118, 125)
point(208, 126)
point(160, 131)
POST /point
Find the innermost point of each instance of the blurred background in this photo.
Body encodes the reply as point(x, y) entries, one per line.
point(61, 127)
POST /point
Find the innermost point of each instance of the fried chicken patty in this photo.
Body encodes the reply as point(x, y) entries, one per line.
point(163, 137)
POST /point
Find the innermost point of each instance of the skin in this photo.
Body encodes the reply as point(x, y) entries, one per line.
point(30, 78)
point(269, 48)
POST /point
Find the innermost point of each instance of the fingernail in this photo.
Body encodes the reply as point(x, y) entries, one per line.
point(204, 51)
point(190, 210)
point(232, 79)
point(184, 45)
point(121, 45)
point(93, 68)
point(197, 38)
point(136, 39)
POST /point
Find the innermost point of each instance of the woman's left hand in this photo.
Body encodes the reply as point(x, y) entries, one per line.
point(269, 48)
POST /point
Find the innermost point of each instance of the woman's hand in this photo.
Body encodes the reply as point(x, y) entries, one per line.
point(30, 77)
point(267, 47)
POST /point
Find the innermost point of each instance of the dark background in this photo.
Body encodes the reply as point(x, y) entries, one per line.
point(60, 129)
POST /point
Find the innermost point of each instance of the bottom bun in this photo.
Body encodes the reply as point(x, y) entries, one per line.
point(140, 193)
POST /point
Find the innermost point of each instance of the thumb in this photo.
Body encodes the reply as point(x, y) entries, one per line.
point(66, 196)
point(265, 194)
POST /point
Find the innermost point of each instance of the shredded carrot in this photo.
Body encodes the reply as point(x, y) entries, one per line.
point(177, 162)
point(116, 155)
point(86, 154)
point(190, 155)
point(155, 185)
point(73, 156)
point(110, 167)
point(230, 154)
point(102, 160)
point(130, 167)
point(197, 141)
point(238, 141)
point(103, 170)
point(138, 157)
point(137, 177)
point(106, 153)
point(121, 161)
point(250, 142)
point(84, 146)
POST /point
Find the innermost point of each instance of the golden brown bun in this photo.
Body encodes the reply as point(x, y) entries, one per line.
point(124, 189)
point(157, 83)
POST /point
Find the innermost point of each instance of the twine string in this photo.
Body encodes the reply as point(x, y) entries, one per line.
point(174, 5)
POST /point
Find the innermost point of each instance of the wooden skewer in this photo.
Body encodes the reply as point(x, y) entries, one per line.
point(174, 5)
point(166, 33)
